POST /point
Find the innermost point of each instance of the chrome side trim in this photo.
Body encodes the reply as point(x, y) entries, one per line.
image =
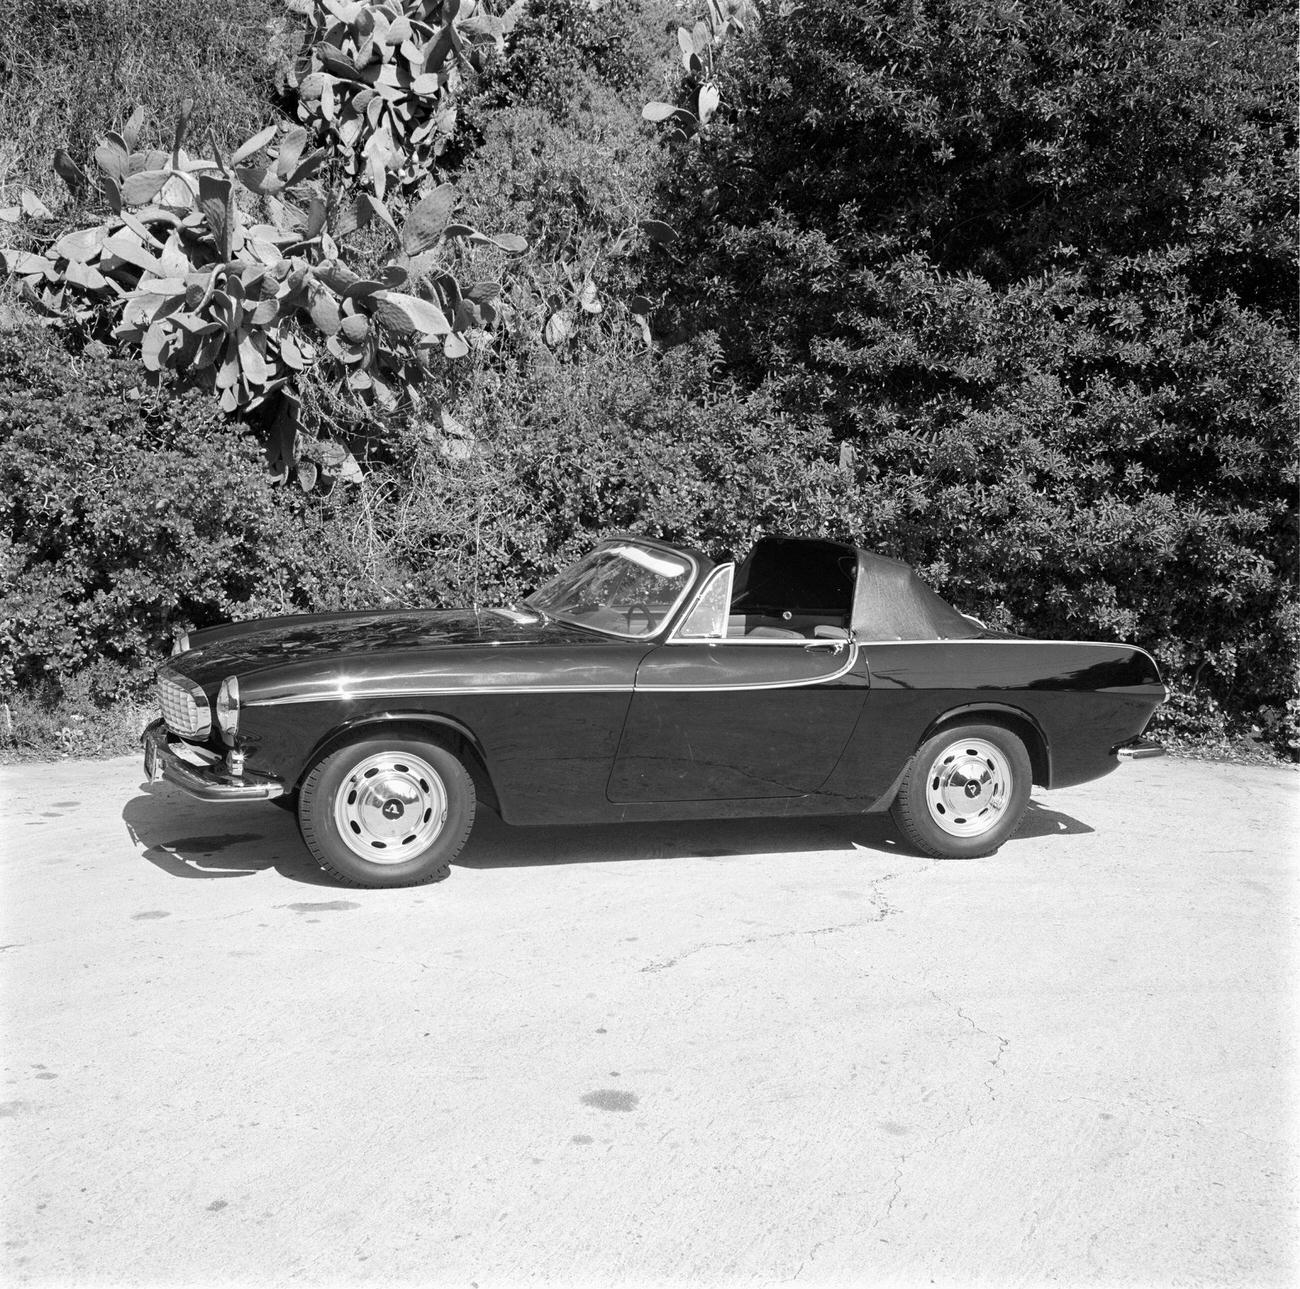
point(805, 683)
point(765, 642)
point(440, 691)
point(452, 691)
point(516, 616)
point(1090, 644)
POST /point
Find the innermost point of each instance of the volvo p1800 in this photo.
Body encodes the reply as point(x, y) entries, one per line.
point(647, 682)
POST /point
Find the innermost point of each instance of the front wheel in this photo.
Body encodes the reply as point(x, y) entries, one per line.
point(965, 793)
point(386, 812)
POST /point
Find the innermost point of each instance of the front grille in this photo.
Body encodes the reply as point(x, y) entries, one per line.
point(184, 708)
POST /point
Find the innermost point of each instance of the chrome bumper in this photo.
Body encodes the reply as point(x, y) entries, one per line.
point(1138, 749)
point(214, 781)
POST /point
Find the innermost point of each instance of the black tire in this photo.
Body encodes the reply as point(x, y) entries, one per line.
point(357, 804)
point(966, 792)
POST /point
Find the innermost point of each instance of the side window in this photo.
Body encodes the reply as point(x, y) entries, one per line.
point(707, 620)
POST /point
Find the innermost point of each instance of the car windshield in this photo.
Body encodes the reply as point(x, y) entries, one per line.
point(622, 588)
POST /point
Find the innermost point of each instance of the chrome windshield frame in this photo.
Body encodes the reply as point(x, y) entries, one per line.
point(652, 548)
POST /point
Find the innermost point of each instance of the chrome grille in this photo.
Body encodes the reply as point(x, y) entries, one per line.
point(184, 708)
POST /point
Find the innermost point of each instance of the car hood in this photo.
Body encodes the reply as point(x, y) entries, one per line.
point(244, 648)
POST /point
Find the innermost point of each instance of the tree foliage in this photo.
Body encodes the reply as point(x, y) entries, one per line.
point(1033, 267)
point(1006, 289)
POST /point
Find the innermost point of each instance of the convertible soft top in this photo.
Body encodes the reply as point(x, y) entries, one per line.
point(891, 603)
point(880, 598)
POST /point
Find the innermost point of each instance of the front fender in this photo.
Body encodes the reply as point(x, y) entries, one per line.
point(286, 740)
point(364, 725)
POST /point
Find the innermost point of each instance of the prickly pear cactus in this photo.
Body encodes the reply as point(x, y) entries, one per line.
point(246, 302)
point(377, 82)
point(700, 45)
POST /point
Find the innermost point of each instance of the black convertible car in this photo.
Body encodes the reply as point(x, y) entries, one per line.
point(646, 682)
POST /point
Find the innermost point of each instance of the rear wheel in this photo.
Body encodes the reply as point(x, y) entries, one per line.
point(966, 792)
point(387, 812)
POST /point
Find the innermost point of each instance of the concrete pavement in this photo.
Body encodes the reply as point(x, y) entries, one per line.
point(709, 1054)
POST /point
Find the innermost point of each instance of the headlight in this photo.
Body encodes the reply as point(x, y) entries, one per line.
point(228, 709)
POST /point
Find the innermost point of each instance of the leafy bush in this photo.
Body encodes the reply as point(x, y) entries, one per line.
point(562, 50)
point(565, 453)
point(580, 198)
point(97, 712)
point(126, 509)
point(67, 67)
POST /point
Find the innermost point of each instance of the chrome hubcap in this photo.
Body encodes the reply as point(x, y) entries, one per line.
point(968, 787)
point(390, 807)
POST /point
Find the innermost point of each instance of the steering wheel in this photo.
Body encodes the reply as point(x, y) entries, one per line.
point(643, 608)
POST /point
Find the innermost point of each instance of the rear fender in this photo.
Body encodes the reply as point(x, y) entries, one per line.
point(1013, 719)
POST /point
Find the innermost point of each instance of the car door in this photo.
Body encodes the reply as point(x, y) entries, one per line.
point(716, 718)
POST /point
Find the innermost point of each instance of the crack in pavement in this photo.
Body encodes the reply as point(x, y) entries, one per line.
point(758, 939)
point(1002, 1043)
point(884, 909)
point(904, 1157)
point(1145, 1108)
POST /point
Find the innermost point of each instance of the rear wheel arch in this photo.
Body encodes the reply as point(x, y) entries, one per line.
point(1012, 719)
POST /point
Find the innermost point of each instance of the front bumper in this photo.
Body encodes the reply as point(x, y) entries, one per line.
point(1138, 749)
point(213, 781)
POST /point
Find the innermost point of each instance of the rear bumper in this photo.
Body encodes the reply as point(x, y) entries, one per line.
point(209, 782)
point(1138, 749)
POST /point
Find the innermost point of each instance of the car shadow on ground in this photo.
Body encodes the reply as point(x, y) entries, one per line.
point(192, 839)
point(197, 839)
point(1039, 821)
point(494, 844)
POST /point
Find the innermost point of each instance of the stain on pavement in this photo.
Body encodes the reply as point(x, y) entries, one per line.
point(611, 1099)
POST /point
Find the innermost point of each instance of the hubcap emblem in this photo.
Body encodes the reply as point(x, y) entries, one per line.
point(393, 809)
point(972, 789)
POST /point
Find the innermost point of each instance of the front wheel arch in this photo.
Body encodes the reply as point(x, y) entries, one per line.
point(447, 733)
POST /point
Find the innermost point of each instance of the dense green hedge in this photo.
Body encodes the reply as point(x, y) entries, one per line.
point(1034, 268)
point(1005, 290)
point(129, 508)
point(126, 508)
